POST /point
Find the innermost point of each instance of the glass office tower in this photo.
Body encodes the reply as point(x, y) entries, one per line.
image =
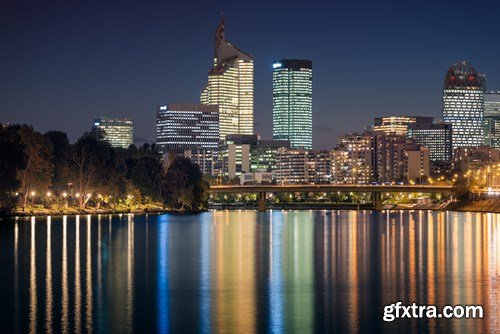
point(292, 102)
point(118, 132)
point(230, 86)
point(463, 104)
point(492, 119)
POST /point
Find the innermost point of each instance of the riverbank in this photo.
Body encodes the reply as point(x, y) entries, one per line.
point(87, 211)
point(487, 205)
point(492, 206)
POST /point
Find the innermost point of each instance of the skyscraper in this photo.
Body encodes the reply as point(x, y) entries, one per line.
point(118, 132)
point(230, 86)
point(463, 104)
point(492, 119)
point(292, 102)
point(181, 127)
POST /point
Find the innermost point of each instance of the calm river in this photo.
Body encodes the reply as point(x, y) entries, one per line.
point(245, 272)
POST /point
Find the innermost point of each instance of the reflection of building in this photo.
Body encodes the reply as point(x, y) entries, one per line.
point(463, 104)
point(119, 132)
point(467, 158)
point(181, 127)
point(437, 137)
point(230, 86)
point(492, 119)
point(351, 160)
point(398, 124)
point(292, 102)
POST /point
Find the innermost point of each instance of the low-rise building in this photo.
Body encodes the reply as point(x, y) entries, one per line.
point(472, 158)
point(248, 153)
point(351, 161)
point(418, 162)
point(256, 178)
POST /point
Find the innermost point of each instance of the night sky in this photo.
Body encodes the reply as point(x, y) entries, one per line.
point(64, 63)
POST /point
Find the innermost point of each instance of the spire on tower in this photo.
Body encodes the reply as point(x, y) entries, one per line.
point(219, 37)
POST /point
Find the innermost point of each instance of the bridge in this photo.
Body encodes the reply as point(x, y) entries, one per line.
point(375, 190)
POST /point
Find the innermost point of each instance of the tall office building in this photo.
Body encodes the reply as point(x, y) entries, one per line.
point(398, 124)
point(463, 104)
point(181, 127)
point(492, 119)
point(292, 102)
point(437, 137)
point(230, 86)
point(118, 132)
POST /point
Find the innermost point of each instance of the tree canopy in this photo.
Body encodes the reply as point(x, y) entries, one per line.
point(184, 187)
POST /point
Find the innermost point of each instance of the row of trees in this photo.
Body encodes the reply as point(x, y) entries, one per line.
point(90, 172)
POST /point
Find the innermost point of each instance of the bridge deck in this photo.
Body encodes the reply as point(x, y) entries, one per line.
point(331, 188)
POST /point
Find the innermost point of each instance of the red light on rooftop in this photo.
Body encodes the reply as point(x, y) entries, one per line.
point(471, 78)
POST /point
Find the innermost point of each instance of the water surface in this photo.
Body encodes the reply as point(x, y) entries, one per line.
point(244, 271)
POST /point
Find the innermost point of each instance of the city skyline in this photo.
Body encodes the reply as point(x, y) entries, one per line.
point(104, 75)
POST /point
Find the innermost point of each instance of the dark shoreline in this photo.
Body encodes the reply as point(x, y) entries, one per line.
point(456, 207)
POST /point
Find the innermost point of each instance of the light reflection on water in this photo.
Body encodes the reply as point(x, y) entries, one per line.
point(228, 271)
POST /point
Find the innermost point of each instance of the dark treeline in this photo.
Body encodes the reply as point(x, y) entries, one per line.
point(46, 171)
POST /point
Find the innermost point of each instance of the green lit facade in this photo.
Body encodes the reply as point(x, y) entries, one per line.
point(292, 102)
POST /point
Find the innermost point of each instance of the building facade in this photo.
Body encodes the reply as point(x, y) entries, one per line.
point(474, 158)
point(292, 166)
point(463, 104)
point(351, 161)
point(292, 102)
point(181, 127)
point(231, 86)
point(437, 137)
point(263, 154)
point(418, 162)
point(398, 124)
point(206, 159)
point(492, 119)
point(118, 132)
point(234, 154)
point(240, 154)
point(388, 157)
